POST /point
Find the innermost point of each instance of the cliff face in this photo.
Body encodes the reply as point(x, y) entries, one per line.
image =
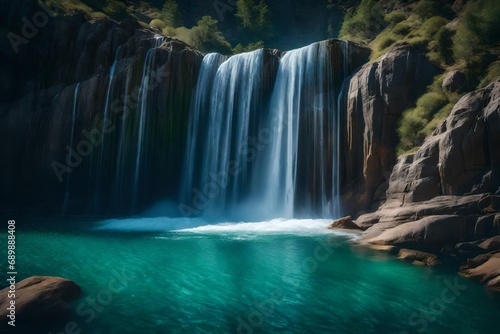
point(97, 114)
point(461, 157)
point(374, 98)
point(445, 198)
point(74, 105)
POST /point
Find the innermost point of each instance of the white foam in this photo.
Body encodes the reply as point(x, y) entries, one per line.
point(274, 226)
point(199, 226)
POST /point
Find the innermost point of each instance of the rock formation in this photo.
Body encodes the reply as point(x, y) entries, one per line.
point(444, 198)
point(375, 97)
point(39, 301)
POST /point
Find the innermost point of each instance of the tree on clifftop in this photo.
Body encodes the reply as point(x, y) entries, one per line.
point(254, 17)
point(171, 14)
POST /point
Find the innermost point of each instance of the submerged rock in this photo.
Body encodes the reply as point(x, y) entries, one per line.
point(418, 257)
point(39, 300)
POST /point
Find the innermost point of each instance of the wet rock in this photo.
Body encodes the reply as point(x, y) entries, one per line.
point(488, 272)
point(345, 223)
point(418, 257)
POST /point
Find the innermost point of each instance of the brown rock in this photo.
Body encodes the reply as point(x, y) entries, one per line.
point(454, 81)
point(422, 257)
point(488, 272)
point(430, 233)
point(345, 223)
point(39, 300)
point(375, 99)
point(491, 244)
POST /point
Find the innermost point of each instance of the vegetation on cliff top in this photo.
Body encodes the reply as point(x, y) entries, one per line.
point(454, 34)
point(253, 21)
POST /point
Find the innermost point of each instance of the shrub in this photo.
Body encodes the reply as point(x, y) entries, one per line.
point(402, 29)
point(386, 42)
point(364, 23)
point(431, 102)
point(478, 29)
point(250, 47)
point(410, 125)
point(98, 16)
point(492, 74)
point(207, 37)
point(115, 9)
point(158, 24)
point(418, 122)
point(395, 17)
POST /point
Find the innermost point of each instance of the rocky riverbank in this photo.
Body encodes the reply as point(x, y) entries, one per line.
point(443, 201)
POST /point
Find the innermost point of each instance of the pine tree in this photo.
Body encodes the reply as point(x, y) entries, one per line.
point(171, 14)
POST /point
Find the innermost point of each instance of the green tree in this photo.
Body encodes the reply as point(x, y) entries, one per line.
point(244, 12)
point(254, 17)
point(171, 14)
point(208, 38)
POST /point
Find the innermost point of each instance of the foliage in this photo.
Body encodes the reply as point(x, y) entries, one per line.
point(395, 17)
point(250, 47)
point(171, 14)
point(364, 23)
point(492, 74)
point(116, 9)
point(254, 18)
point(206, 36)
point(430, 110)
point(158, 24)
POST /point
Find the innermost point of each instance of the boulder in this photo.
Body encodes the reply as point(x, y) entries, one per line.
point(488, 272)
point(491, 244)
point(345, 223)
point(40, 300)
point(427, 234)
point(418, 257)
point(454, 81)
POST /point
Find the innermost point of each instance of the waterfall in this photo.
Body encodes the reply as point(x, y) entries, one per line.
point(197, 118)
point(120, 176)
point(303, 120)
point(73, 120)
point(142, 111)
point(222, 122)
point(268, 159)
point(101, 159)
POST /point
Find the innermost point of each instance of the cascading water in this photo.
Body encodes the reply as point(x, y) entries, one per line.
point(198, 117)
point(101, 158)
point(73, 120)
point(231, 110)
point(293, 168)
point(142, 111)
point(304, 122)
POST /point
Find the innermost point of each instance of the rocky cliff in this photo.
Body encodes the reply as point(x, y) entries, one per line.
point(374, 99)
point(445, 198)
point(97, 114)
point(74, 101)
